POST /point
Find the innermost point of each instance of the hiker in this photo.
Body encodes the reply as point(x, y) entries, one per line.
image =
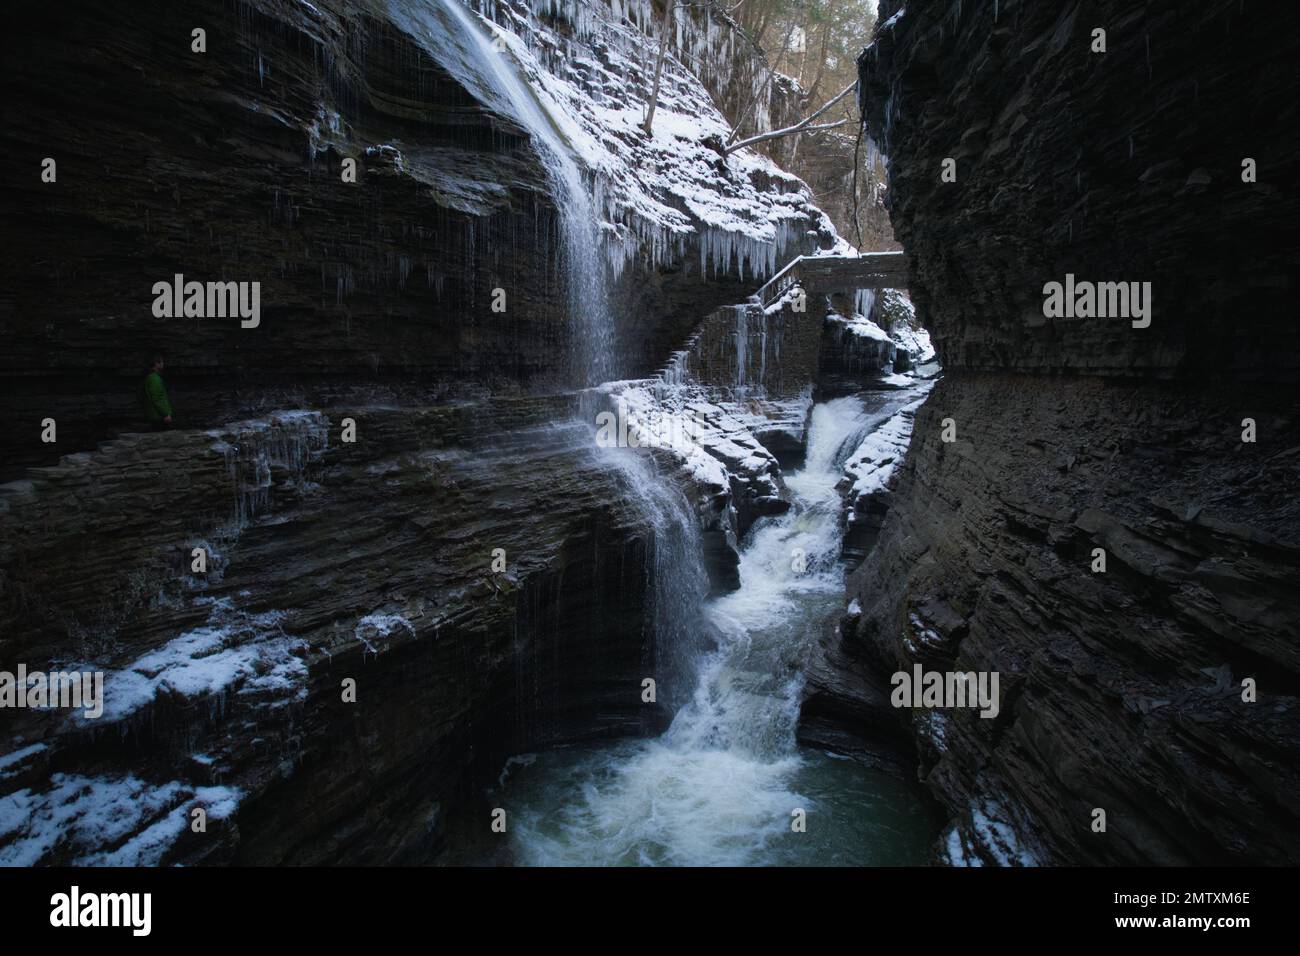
point(157, 407)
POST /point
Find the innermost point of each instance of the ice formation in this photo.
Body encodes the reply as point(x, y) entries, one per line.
point(656, 194)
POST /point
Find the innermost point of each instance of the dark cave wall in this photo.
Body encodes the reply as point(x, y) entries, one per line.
point(1121, 690)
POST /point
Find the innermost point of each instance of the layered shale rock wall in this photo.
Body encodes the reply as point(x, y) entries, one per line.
point(225, 165)
point(749, 349)
point(1122, 690)
point(327, 562)
point(1116, 166)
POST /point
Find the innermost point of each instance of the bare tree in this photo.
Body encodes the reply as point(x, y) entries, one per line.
point(760, 92)
point(648, 125)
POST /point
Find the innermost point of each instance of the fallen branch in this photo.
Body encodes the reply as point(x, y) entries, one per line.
point(804, 125)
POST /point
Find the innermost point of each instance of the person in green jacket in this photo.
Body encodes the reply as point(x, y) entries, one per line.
point(157, 407)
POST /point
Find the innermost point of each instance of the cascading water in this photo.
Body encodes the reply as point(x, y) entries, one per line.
point(679, 585)
point(579, 224)
point(720, 786)
point(677, 590)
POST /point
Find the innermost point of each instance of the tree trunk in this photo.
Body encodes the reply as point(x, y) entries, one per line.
point(771, 73)
point(659, 69)
point(821, 65)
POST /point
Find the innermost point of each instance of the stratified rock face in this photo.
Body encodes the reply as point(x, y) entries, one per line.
point(381, 622)
point(479, 574)
point(1121, 689)
point(749, 349)
point(227, 165)
point(1116, 166)
point(854, 349)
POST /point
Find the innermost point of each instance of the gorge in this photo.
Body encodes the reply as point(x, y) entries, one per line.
point(525, 525)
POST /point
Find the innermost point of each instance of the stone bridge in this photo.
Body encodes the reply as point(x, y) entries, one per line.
point(831, 274)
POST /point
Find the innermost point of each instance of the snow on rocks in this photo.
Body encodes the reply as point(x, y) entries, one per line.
point(879, 338)
point(707, 438)
point(376, 628)
point(871, 467)
point(896, 307)
point(233, 652)
point(12, 763)
point(916, 341)
point(855, 352)
point(661, 194)
point(862, 327)
point(869, 476)
point(711, 441)
point(103, 821)
point(987, 835)
point(889, 316)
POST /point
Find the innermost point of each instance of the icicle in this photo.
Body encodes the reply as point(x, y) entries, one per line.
point(742, 338)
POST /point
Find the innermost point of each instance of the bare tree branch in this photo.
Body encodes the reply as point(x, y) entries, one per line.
point(648, 124)
point(857, 145)
point(804, 125)
point(821, 63)
point(775, 134)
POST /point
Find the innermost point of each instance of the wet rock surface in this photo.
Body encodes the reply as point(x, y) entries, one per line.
point(331, 561)
point(370, 561)
point(1121, 690)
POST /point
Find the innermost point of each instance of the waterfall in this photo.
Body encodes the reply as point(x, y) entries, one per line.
point(864, 300)
point(678, 581)
point(721, 784)
point(677, 589)
point(748, 701)
point(491, 63)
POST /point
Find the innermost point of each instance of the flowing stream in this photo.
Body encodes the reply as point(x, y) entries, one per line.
point(721, 784)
